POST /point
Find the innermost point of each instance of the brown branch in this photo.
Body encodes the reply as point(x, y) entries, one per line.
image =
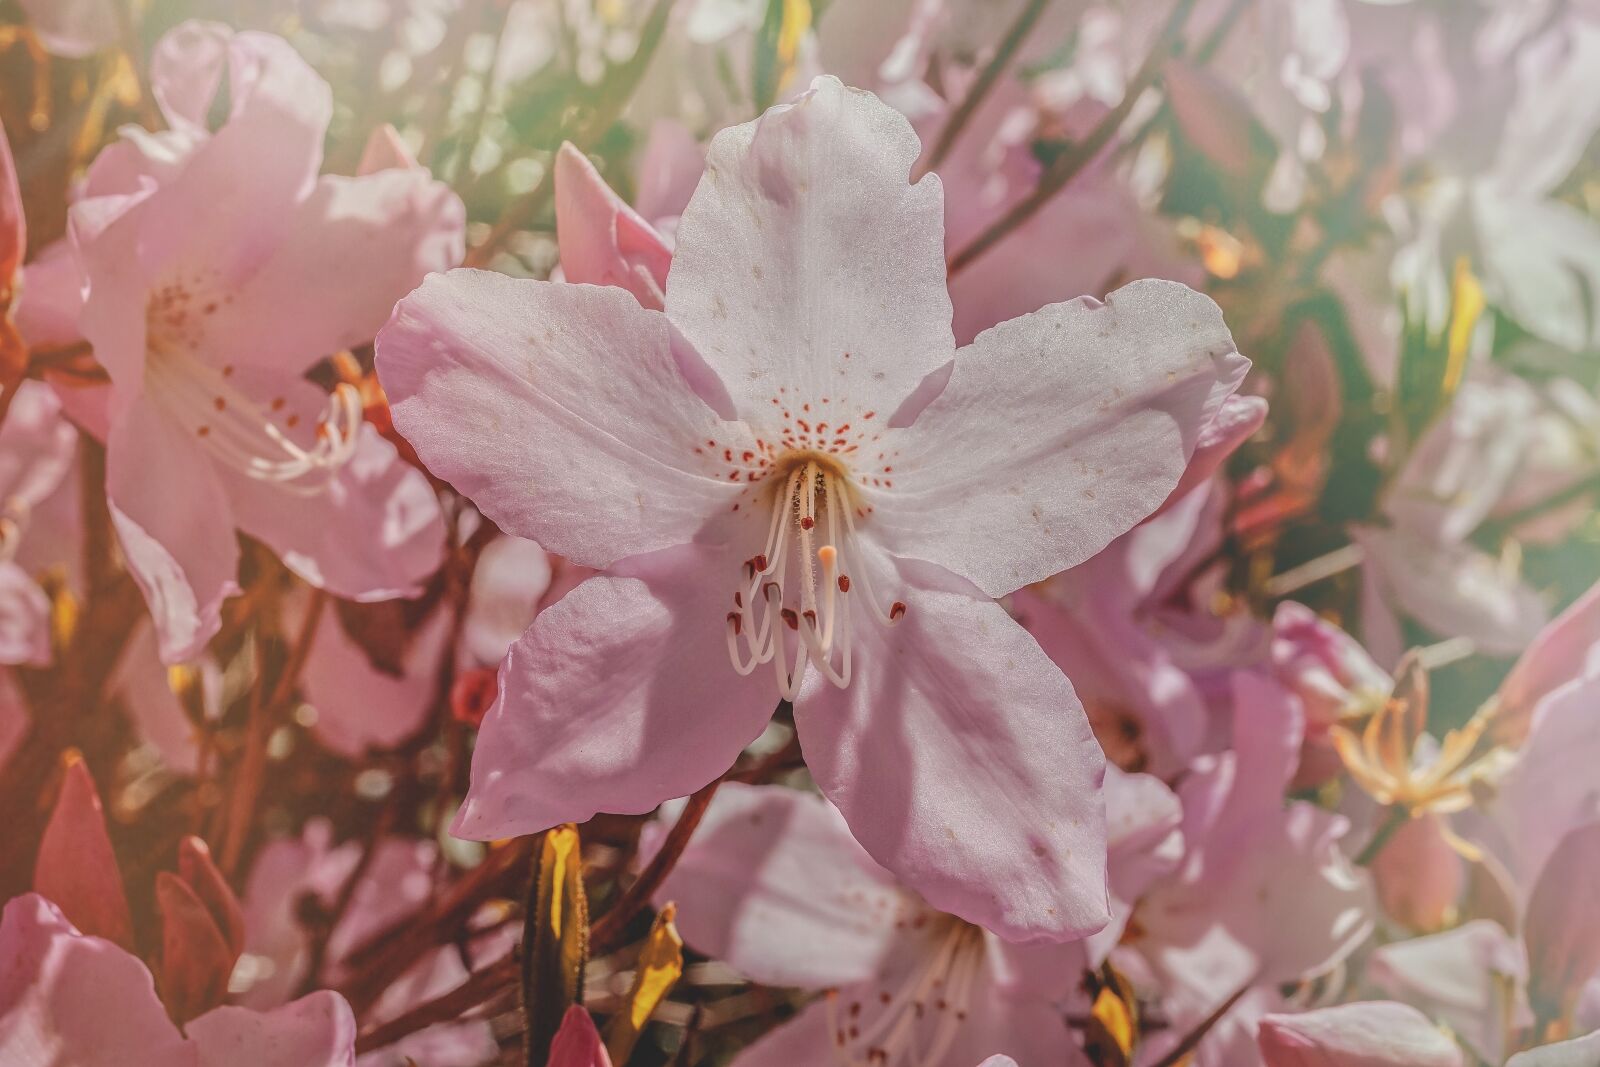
point(1071, 162)
point(1192, 1039)
point(1026, 19)
point(479, 988)
point(607, 935)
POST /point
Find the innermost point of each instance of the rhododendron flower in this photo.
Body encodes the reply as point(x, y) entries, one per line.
point(1369, 1034)
point(68, 998)
point(206, 321)
point(36, 450)
point(774, 884)
point(801, 490)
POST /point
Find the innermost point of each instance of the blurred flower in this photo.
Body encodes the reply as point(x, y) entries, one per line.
point(1371, 1034)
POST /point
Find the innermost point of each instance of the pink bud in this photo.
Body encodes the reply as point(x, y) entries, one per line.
point(603, 240)
point(577, 1043)
point(77, 870)
point(196, 959)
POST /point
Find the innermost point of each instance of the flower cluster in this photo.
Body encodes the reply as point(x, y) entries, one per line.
point(921, 533)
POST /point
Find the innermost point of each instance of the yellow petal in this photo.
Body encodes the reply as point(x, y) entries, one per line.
point(660, 966)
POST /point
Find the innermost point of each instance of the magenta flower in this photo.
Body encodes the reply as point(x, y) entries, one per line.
point(207, 322)
point(801, 490)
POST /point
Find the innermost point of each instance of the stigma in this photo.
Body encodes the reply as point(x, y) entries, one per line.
point(795, 602)
point(253, 438)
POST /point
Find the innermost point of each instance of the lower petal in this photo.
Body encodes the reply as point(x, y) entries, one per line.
point(965, 764)
point(618, 697)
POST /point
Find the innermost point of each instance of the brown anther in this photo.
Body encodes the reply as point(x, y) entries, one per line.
point(760, 562)
point(807, 522)
point(771, 589)
point(897, 610)
point(738, 599)
point(791, 619)
point(736, 620)
point(810, 617)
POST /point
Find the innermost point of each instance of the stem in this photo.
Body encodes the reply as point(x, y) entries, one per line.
point(264, 709)
point(479, 988)
point(1015, 36)
point(1072, 162)
point(1193, 1038)
point(1312, 571)
point(607, 935)
point(1388, 828)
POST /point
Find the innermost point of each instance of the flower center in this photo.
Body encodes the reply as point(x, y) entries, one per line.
point(250, 437)
point(916, 1020)
point(792, 602)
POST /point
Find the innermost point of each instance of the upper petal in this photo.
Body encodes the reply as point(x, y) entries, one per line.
point(1057, 432)
point(773, 883)
point(603, 240)
point(557, 409)
point(965, 765)
point(618, 697)
point(806, 259)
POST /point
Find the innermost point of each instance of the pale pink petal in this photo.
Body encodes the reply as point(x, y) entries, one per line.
point(1556, 656)
point(1562, 925)
point(669, 169)
point(1235, 422)
point(493, 380)
point(358, 705)
point(186, 69)
point(586, 721)
point(36, 447)
point(1579, 1052)
point(275, 940)
point(180, 546)
point(1057, 432)
point(67, 998)
point(249, 174)
point(1322, 665)
point(349, 251)
point(577, 1042)
point(1462, 977)
point(773, 883)
point(1456, 590)
point(1549, 789)
point(24, 619)
point(964, 764)
point(76, 868)
point(511, 579)
point(385, 150)
point(807, 259)
point(51, 297)
point(603, 240)
point(1367, 1034)
point(144, 687)
point(73, 28)
point(375, 532)
point(317, 1030)
point(1143, 831)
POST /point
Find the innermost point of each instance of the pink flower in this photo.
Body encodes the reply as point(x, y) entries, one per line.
point(206, 322)
point(1368, 1034)
point(36, 450)
point(69, 998)
point(801, 490)
point(774, 884)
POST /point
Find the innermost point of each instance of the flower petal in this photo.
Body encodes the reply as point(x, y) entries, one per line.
point(965, 765)
point(806, 258)
point(603, 240)
point(175, 526)
point(1579, 1052)
point(494, 381)
point(618, 697)
point(68, 998)
point(1459, 977)
point(24, 618)
point(317, 1030)
point(1057, 432)
point(773, 883)
point(76, 868)
point(577, 1043)
point(1366, 1034)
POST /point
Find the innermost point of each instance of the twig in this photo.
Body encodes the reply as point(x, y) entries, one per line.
point(1072, 161)
point(607, 934)
point(479, 988)
point(1192, 1039)
point(987, 77)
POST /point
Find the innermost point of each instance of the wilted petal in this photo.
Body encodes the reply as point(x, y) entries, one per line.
point(587, 722)
point(773, 883)
point(1369, 1034)
point(786, 274)
point(493, 380)
point(1057, 432)
point(1018, 847)
point(76, 869)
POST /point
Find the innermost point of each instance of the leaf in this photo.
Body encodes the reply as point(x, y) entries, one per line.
point(659, 968)
point(555, 940)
